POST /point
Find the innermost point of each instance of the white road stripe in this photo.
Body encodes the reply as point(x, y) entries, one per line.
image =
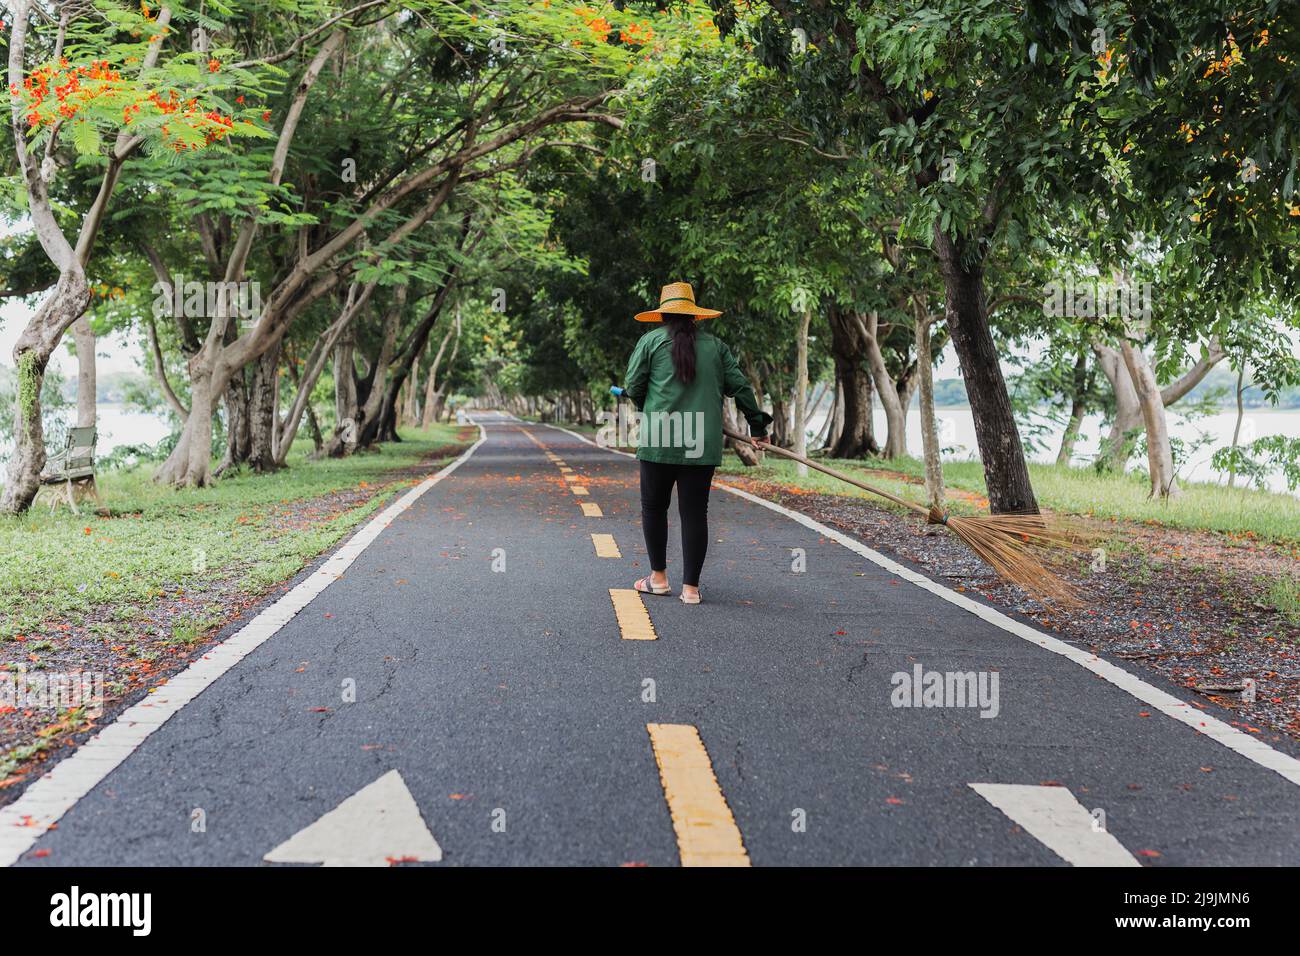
point(24, 821)
point(1235, 740)
point(1057, 820)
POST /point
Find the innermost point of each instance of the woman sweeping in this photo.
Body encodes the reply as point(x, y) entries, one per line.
point(677, 377)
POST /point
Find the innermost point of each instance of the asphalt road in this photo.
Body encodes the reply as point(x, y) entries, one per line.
point(491, 672)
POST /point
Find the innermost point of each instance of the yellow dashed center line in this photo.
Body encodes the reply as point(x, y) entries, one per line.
point(589, 509)
point(606, 546)
point(706, 831)
point(633, 619)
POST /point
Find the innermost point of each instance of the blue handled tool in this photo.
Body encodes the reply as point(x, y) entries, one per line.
point(617, 390)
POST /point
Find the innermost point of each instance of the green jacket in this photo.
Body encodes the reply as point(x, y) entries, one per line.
point(682, 424)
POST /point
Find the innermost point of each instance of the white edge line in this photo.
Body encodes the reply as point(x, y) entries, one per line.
point(1235, 740)
point(43, 803)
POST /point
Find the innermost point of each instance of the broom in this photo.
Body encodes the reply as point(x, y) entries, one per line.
point(1005, 542)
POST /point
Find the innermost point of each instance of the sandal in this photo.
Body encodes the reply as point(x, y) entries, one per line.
point(646, 587)
point(690, 599)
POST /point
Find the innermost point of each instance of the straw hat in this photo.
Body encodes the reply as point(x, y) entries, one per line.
point(677, 298)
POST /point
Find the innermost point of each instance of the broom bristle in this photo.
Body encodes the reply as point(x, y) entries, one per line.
point(1009, 543)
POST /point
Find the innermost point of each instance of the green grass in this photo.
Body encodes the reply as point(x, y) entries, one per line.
point(1284, 594)
point(53, 568)
point(1203, 507)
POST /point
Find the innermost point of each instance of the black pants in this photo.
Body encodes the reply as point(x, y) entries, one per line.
point(692, 482)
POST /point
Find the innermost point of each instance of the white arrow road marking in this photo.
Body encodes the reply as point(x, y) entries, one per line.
point(1057, 820)
point(377, 825)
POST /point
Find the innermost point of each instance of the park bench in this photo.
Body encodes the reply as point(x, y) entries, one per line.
point(72, 470)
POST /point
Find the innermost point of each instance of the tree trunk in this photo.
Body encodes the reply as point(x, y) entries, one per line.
point(84, 339)
point(289, 429)
point(379, 398)
point(837, 418)
point(744, 451)
point(857, 430)
point(440, 396)
point(1160, 458)
point(886, 387)
point(801, 393)
point(31, 356)
point(190, 464)
point(431, 382)
point(410, 411)
point(345, 391)
point(262, 412)
point(191, 459)
point(408, 355)
point(934, 490)
point(1071, 434)
point(854, 437)
point(312, 369)
point(780, 420)
point(1078, 409)
point(1127, 420)
point(1006, 473)
point(1236, 428)
point(275, 420)
point(239, 442)
point(160, 371)
point(823, 436)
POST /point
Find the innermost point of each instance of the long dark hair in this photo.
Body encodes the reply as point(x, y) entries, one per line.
point(681, 329)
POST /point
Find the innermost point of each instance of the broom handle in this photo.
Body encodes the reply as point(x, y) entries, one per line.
point(786, 453)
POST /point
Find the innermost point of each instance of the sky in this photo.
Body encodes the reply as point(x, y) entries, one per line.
point(113, 355)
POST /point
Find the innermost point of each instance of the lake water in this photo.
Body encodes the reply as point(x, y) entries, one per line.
point(123, 425)
point(118, 425)
point(957, 433)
